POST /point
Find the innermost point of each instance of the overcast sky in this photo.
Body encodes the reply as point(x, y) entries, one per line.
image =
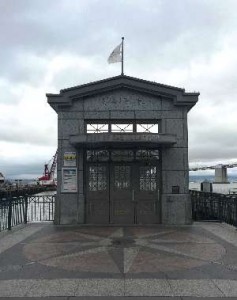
point(48, 45)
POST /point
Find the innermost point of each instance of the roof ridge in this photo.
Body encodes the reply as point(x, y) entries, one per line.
point(117, 77)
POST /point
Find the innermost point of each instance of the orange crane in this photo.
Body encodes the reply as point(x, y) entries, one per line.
point(48, 177)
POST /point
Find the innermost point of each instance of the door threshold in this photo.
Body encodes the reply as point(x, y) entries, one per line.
point(119, 225)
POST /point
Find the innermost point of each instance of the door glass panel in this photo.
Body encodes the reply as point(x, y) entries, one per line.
point(122, 177)
point(148, 178)
point(97, 178)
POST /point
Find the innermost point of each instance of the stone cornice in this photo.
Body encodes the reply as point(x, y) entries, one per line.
point(66, 96)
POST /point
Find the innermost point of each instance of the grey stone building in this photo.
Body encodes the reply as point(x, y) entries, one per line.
point(122, 153)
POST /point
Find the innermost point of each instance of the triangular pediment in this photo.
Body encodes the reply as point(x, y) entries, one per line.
point(66, 96)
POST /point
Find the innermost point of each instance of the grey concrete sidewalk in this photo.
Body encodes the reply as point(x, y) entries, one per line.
point(120, 298)
point(156, 262)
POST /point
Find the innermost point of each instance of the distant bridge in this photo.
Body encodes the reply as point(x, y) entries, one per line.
point(221, 175)
point(226, 166)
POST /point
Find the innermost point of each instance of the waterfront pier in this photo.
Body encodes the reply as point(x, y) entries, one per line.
point(6, 192)
point(80, 262)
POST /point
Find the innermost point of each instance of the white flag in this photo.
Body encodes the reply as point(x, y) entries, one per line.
point(116, 55)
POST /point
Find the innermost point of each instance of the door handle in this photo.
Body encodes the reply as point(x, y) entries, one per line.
point(133, 196)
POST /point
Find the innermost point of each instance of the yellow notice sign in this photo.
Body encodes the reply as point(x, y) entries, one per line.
point(70, 159)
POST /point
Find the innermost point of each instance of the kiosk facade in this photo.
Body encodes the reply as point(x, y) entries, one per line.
point(122, 153)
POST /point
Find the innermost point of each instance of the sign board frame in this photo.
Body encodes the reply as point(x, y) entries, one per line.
point(69, 180)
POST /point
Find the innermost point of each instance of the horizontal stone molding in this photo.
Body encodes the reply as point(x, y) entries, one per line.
point(123, 139)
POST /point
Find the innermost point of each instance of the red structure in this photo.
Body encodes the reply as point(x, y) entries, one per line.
point(48, 178)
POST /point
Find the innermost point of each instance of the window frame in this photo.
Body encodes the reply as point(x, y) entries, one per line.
point(134, 123)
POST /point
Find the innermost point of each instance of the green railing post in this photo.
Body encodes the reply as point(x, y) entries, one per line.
point(220, 209)
point(9, 226)
point(235, 219)
point(25, 208)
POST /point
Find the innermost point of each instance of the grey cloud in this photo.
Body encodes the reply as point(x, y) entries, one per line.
point(8, 96)
point(212, 143)
point(21, 135)
point(13, 170)
point(159, 35)
point(24, 67)
point(205, 153)
point(88, 27)
point(71, 76)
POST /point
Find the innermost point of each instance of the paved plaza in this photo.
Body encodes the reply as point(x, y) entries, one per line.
point(88, 262)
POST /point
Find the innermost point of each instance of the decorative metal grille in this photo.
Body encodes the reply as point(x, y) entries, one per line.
point(147, 178)
point(122, 155)
point(121, 128)
point(97, 128)
point(147, 154)
point(97, 178)
point(97, 155)
point(147, 128)
point(122, 177)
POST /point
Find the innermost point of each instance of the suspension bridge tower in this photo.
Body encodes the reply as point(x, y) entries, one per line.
point(221, 174)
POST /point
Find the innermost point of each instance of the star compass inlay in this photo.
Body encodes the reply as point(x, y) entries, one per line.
point(114, 250)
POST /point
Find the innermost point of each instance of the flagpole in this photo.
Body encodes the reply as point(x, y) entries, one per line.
point(122, 73)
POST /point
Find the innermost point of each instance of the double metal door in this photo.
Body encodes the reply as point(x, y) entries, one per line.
point(134, 194)
point(123, 193)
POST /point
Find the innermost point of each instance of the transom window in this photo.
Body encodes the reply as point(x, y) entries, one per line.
point(97, 128)
point(147, 128)
point(122, 127)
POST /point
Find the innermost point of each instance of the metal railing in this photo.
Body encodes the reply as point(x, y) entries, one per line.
point(214, 207)
point(23, 209)
point(40, 208)
point(13, 211)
